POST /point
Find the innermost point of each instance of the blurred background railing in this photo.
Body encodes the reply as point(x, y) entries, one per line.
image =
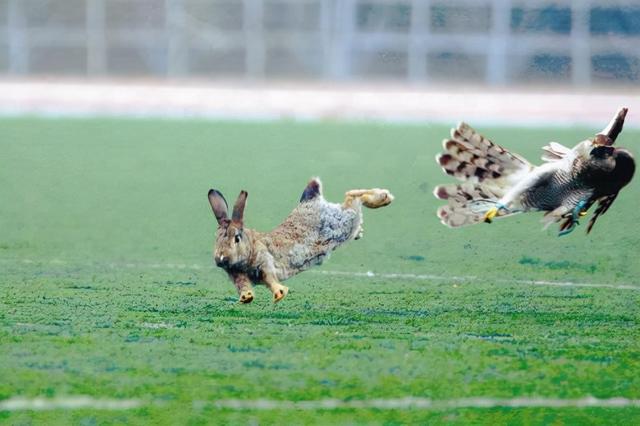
point(580, 43)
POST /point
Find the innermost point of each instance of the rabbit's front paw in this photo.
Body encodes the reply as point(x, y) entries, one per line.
point(246, 296)
point(279, 292)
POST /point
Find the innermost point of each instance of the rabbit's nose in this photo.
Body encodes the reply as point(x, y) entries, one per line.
point(222, 261)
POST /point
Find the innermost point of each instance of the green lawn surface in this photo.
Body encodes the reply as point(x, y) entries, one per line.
point(107, 287)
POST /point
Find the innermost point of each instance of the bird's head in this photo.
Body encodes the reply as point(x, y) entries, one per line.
point(609, 168)
point(625, 167)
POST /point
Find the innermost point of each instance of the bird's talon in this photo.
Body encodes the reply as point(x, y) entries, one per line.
point(570, 229)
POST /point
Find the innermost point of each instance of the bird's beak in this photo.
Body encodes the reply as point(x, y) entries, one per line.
point(609, 134)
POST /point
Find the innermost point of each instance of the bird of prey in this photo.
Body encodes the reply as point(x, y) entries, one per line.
point(498, 183)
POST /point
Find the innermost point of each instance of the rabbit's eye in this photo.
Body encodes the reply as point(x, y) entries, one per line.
point(238, 238)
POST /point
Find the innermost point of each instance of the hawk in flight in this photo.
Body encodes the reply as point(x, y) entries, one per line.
point(499, 183)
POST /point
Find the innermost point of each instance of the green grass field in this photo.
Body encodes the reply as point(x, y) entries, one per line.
point(107, 287)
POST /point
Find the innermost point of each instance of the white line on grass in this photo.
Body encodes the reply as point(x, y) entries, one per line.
point(428, 277)
point(368, 274)
point(67, 403)
point(418, 403)
point(406, 403)
point(156, 325)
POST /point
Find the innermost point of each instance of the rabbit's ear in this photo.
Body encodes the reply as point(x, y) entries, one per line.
point(238, 208)
point(218, 205)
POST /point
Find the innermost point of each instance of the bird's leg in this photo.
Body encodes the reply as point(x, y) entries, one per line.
point(576, 213)
point(494, 211)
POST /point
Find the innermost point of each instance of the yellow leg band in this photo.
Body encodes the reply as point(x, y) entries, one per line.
point(493, 212)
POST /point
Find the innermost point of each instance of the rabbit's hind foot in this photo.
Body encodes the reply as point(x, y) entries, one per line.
point(371, 198)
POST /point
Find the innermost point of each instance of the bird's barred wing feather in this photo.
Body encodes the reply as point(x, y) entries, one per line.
point(469, 156)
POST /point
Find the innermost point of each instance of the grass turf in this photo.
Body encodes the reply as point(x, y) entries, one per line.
point(107, 287)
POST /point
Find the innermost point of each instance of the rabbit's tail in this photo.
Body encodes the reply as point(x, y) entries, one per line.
point(312, 191)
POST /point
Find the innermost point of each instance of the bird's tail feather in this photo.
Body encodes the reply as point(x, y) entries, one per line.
point(467, 203)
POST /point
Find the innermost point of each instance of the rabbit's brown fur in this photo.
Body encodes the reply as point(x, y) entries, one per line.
point(307, 236)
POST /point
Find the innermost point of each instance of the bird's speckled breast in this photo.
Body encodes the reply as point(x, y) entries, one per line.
point(552, 190)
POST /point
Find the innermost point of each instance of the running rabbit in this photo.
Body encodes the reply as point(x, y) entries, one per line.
point(307, 236)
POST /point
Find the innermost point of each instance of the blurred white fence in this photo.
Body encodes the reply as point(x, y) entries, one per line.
point(494, 42)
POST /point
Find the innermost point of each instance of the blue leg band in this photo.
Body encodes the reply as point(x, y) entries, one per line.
point(575, 215)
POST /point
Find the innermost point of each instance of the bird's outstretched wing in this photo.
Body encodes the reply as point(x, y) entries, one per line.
point(603, 205)
point(469, 156)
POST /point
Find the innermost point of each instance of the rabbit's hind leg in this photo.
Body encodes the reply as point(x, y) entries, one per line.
point(371, 198)
point(279, 291)
point(352, 201)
